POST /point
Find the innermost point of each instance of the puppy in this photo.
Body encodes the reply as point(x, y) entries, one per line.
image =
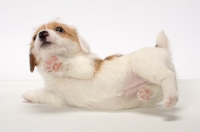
point(76, 77)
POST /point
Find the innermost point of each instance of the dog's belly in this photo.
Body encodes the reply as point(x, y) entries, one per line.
point(102, 98)
point(132, 86)
point(124, 99)
point(127, 97)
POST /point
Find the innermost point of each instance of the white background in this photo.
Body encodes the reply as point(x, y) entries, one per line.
point(109, 26)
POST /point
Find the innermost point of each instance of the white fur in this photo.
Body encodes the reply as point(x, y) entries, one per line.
point(84, 46)
point(139, 79)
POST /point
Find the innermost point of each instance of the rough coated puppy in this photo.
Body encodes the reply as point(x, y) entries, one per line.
point(76, 77)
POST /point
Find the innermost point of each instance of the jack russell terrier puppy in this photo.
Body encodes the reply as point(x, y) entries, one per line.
point(74, 76)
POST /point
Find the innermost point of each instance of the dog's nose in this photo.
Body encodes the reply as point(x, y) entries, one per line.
point(43, 35)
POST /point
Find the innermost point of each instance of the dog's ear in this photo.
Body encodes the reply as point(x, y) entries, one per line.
point(84, 46)
point(32, 59)
point(32, 62)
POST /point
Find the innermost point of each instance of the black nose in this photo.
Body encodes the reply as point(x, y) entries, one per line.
point(43, 35)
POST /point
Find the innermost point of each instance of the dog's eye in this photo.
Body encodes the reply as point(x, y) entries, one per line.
point(59, 29)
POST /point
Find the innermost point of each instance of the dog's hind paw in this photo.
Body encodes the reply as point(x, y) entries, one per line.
point(170, 101)
point(144, 94)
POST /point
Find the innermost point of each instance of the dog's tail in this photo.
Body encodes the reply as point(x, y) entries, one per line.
point(162, 40)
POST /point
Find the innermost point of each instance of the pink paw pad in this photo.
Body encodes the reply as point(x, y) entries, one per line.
point(52, 64)
point(144, 94)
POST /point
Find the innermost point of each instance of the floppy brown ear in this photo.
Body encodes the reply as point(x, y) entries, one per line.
point(32, 62)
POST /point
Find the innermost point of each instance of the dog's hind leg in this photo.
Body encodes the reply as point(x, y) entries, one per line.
point(155, 70)
point(149, 92)
point(150, 95)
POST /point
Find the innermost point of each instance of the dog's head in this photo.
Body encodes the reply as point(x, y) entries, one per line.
point(55, 38)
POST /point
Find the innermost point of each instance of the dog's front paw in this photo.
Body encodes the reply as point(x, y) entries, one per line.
point(170, 101)
point(29, 96)
point(52, 64)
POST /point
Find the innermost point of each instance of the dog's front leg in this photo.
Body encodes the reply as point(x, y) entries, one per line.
point(52, 64)
point(42, 96)
point(79, 67)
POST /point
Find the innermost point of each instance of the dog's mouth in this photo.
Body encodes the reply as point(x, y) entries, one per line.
point(45, 44)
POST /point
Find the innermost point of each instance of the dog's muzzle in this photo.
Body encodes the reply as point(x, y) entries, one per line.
point(43, 38)
point(43, 35)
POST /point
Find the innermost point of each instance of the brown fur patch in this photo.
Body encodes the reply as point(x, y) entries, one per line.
point(111, 57)
point(33, 62)
point(97, 64)
point(32, 59)
point(68, 33)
